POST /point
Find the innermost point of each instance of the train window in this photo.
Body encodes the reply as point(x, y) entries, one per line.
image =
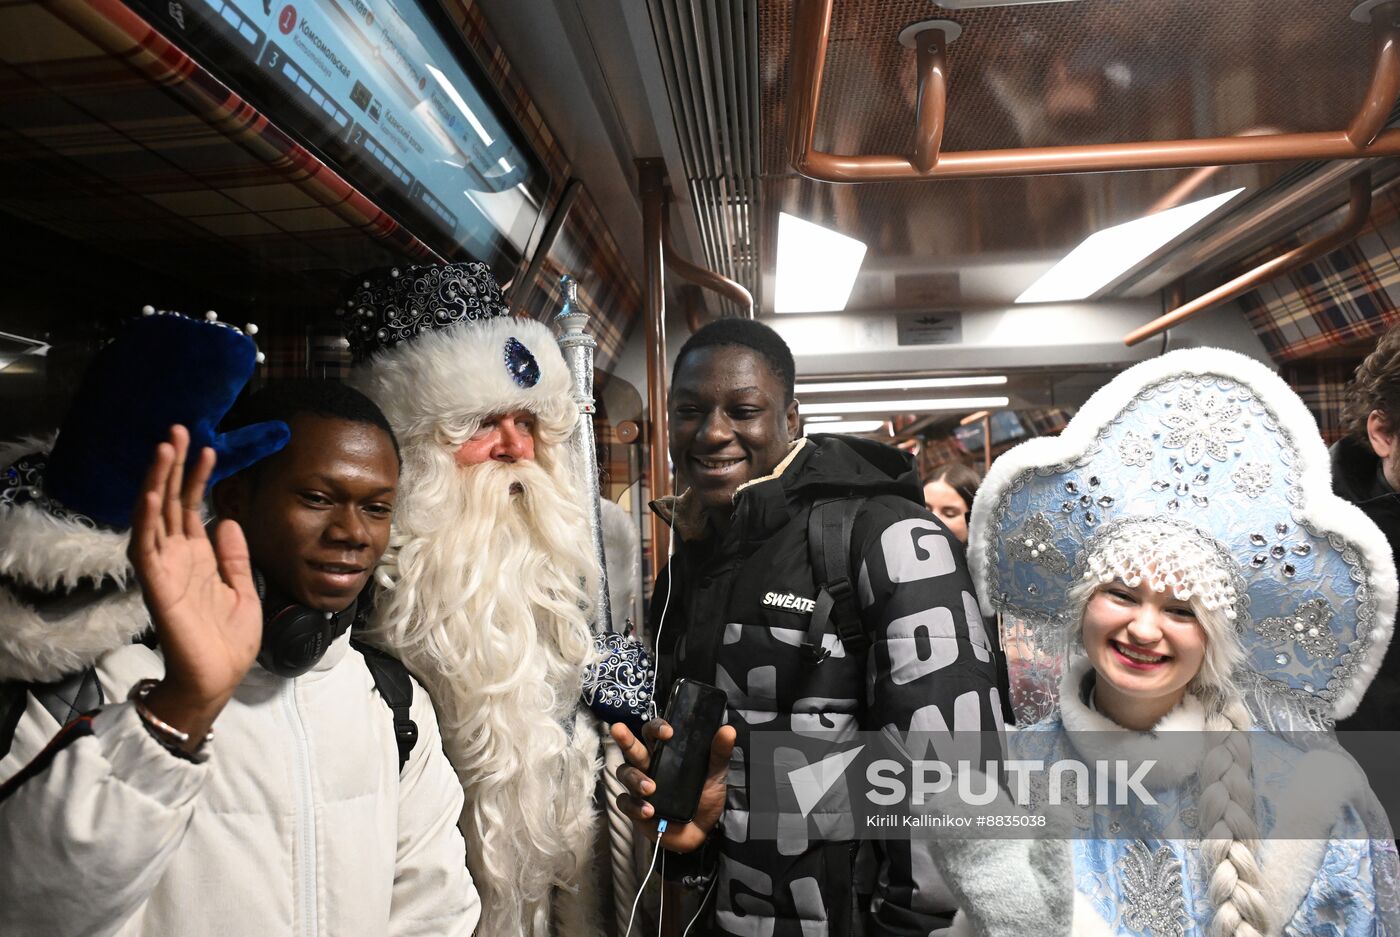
point(1006, 425)
point(382, 94)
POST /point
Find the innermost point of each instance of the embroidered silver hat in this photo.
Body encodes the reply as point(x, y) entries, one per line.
point(387, 307)
point(1209, 448)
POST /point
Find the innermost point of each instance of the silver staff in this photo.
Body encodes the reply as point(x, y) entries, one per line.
point(577, 346)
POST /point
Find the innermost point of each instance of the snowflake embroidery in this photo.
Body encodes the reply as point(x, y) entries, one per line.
point(1203, 425)
point(1033, 544)
point(1150, 883)
point(1252, 478)
point(1310, 626)
point(1135, 449)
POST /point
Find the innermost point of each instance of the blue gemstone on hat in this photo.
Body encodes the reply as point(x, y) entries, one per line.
point(523, 367)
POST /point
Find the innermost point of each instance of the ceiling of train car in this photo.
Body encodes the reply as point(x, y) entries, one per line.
point(1040, 75)
point(97, 153)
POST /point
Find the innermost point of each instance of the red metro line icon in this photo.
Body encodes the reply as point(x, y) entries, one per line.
point(287, 19)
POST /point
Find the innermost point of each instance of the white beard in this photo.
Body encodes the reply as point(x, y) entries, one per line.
point(483, 596)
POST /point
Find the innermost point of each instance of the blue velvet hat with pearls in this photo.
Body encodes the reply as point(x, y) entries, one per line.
point(162, 369)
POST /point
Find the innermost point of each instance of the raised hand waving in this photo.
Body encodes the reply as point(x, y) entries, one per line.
point(205, 609)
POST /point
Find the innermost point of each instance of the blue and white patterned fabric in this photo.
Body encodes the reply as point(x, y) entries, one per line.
point(619, 686)
point(1217, 445)
point(388, 307)
point(1328, 859)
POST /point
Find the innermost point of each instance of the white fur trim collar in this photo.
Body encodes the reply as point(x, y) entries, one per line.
point(1322, 784)
point(1087, 921)
point(1176, 743)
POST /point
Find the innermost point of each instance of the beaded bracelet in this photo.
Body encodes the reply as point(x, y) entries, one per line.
point(163, 732)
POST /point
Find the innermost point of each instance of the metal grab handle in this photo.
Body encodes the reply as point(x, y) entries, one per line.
point(1363, 137)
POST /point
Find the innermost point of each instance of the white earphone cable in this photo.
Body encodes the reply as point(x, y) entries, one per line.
point(642, 887)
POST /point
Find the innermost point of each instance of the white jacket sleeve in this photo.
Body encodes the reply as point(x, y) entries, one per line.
point(433, 891)
point(89, 827)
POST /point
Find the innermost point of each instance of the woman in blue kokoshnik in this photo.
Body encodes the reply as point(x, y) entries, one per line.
point(1204, 602)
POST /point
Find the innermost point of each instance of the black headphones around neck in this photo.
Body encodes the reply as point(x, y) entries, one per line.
point(294, 637)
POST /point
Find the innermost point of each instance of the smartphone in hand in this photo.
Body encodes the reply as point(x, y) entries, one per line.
point(679, 764)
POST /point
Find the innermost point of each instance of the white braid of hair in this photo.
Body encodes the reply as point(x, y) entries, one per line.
point(1229, 833)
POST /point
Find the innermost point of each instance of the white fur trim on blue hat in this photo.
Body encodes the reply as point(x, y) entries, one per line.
point(446, 381)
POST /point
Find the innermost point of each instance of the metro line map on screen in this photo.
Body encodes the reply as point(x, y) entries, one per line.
point(373, 85)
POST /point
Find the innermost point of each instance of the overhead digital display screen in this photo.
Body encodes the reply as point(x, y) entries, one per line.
point(375, 88)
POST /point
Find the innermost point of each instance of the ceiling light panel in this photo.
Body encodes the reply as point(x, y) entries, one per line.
point(897, 384)
point(816, 267)
point(1106, 255)
point(849, 426)
point(983, 4)
point(930, 405)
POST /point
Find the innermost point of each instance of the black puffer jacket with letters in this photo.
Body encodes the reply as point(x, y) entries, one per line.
point(737, 611)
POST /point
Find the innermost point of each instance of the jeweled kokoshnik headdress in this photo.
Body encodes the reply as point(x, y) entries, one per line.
point(1214, 445)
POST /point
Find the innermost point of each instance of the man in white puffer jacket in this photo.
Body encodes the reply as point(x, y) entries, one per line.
point(304, 817)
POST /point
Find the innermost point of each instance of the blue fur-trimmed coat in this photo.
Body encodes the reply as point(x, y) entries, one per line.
point(1334, 876)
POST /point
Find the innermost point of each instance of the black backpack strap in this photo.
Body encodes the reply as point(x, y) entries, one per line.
point(65, 699)
point(69, 697)
point(829, 530)
point(12, 703)
point(395, 687)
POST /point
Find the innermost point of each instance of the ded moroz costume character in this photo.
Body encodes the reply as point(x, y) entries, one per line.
point(1201, 476)
point(484, 592)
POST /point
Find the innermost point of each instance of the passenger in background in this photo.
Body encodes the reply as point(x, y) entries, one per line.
point(485, 591)
point(949, 493)
point(949, 496)
point(327, 804)
point(1366, 472)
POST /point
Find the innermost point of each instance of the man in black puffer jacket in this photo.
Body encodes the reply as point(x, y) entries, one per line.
point(738, 597)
